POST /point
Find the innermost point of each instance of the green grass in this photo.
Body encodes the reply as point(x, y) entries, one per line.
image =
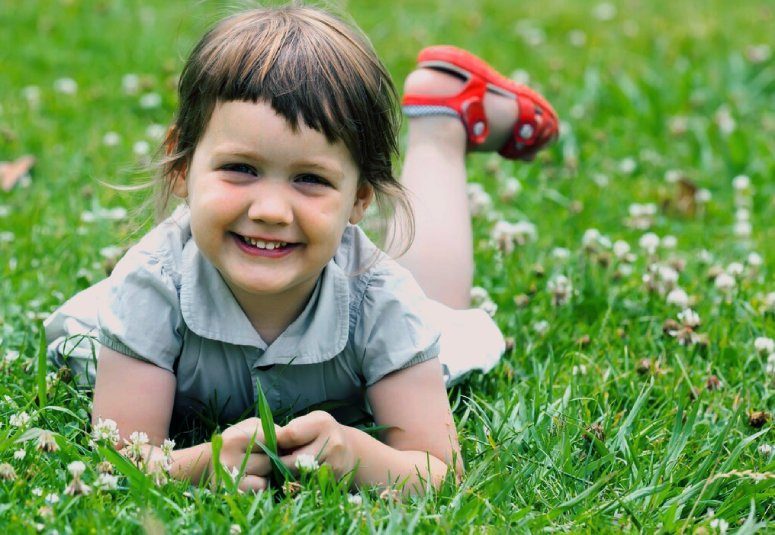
point(664, 450)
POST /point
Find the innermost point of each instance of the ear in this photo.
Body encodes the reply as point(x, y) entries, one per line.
point(363, 198)
point(179, 186)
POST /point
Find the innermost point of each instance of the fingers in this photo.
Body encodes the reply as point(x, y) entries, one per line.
point(252, 483)
point(303, 430)
point(258, 465)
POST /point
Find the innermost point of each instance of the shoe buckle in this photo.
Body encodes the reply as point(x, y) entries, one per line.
point(475, 120)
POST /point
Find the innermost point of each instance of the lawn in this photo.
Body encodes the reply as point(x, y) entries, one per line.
point(615, 409)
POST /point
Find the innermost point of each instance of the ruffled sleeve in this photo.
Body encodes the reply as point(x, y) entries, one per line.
point(393, 330)
point(141, 315)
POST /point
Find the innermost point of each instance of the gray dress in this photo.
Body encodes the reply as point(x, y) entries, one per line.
point(166, 304)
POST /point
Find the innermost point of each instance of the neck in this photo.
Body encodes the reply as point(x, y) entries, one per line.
point(270, 315)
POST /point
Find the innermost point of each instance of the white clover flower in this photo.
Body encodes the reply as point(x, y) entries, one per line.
point(604, 11)
point(561, 288)
point(649, 242)
point(754, 260)
point(479, 294)
point(735, 269)
point(628, 165)
point(489, 307)
point(134, 446)
point(592, 240)
point(577, 38)
point(167, 446)
point(668, 276)
point(524, 231)
point(720, 524)
point(724, 120)
point(764, 344)
point(590, 237)
point(741, 182)
point(19, 454)
point(669, 242)
point(678, 297)
point(506, 234)
point(672, 176)
point(130, 84)
point(111, 139)
point(37, 491)
point(354, 499)
point(621, 248)
point(689, 317)
point(625, 270)
point(150, 100)
point(725, 282)
point(235, 529)
point(770, 369)
point(705, 256)
point(155, 132)
point(769, 301)
point(76, 468)
point(511, 188)
point(11, 356)
point(765, 450)
point(579, 370)
point(105, 430)
point(479, 201)
point(742, 229)
point(106, 482)
point(31, 94)
point(742, 214)
point(51, 498)
point(540, 327)
point(19, 419)
point(306, 463)
point(703, 196)
point(560, 253)
point(141, 148)
point(66, 86)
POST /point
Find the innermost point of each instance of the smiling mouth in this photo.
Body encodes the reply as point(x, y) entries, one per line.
point(264, 245)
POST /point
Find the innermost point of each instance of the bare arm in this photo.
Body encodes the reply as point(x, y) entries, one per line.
point(420, 445)
point(414, 403)
point(139, 396)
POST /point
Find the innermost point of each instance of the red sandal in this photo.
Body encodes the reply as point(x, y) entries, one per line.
point(530, 134)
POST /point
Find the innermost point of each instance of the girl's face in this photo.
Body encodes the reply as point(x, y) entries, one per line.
point(253, 178)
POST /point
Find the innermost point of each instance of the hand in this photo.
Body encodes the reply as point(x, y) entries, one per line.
point(320, 435)
point(235, 444)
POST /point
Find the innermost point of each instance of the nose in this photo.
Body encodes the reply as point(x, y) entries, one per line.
point(271, 203)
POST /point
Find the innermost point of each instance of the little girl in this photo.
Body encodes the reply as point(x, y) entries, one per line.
point(285, 134)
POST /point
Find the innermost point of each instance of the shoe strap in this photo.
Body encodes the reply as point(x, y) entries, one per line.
point(526, 131)
point(467, 104)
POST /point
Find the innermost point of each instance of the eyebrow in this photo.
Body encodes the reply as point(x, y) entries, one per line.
point(334, 171)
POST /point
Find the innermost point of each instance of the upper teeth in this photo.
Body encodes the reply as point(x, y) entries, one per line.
point(265, 244)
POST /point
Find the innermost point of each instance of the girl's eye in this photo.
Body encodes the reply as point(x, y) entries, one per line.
point(313, 179)
point(239, 168)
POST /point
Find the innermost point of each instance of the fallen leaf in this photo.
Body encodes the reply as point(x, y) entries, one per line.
point(11, 172)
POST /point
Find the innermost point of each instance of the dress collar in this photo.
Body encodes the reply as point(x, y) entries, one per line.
point(210, 310)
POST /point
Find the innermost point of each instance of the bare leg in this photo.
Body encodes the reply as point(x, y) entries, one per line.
point(441, 256)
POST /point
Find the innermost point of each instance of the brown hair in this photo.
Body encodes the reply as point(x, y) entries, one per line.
point(309, 66)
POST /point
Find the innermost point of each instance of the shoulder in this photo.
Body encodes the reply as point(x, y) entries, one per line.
point(161, 249)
